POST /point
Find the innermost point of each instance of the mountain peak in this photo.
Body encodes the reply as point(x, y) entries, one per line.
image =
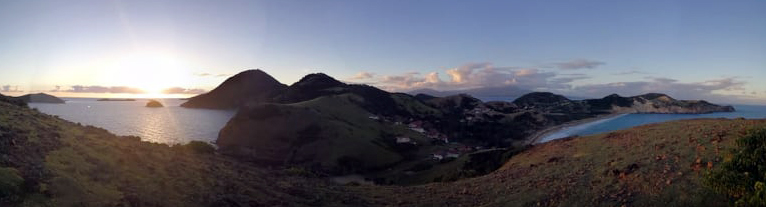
point(318, 80)
point(237, 90)
point(653, 96)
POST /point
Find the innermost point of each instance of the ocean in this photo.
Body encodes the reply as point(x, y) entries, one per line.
point(632, 120)
point(171, 124)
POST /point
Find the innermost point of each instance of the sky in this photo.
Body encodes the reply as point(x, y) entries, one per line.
point(713, 50)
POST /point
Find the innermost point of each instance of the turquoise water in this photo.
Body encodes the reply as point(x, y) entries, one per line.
point(170, 124)
point(632, 120)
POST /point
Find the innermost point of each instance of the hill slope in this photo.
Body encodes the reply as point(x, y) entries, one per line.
point(652, 165)
point(40, 98)
point(48, 161)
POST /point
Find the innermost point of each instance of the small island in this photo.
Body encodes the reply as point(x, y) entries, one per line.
point(116, 99)
point(154, 104)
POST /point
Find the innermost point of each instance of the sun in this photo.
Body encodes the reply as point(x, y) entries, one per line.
point(151, 72)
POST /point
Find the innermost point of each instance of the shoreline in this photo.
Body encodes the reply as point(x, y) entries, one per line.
point(535, 138)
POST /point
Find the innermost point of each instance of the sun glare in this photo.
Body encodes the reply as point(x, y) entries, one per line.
point(151, 72)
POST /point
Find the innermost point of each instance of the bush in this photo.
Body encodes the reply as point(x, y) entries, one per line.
point(200, 147)
point(10, 184)
point(743, 178)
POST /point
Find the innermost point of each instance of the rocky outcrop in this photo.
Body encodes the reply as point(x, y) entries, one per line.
point(153, 104)
point(40, 98)
point(251, 86)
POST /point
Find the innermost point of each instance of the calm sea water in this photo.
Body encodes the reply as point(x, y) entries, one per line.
point(170, 124)
point(632, 120)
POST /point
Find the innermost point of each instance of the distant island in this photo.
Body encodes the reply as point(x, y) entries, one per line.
point(361, 128)
point(116, 99)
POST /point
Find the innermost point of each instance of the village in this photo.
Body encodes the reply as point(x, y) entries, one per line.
point(451, 150)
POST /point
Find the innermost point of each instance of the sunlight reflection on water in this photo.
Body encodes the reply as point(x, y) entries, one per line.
point(169, 124)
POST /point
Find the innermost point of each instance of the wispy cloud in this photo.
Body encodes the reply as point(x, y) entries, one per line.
point(363, 76)
point(212, 75)
point(707, 90)
point(180, 90)
point(124, 89)
point(579, 64)
point(102, 89)
point(630, 72)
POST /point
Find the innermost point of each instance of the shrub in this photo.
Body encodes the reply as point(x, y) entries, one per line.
point(200, 147)
point(743, 178)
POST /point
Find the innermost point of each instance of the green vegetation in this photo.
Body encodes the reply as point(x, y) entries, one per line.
point(743, 177)
point(10, 184)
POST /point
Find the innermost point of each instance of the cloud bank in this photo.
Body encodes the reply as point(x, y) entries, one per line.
point(123, 89)
point(484, 75)
point(579, 64)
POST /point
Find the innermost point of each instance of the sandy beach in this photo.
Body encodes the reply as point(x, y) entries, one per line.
point(535, 138)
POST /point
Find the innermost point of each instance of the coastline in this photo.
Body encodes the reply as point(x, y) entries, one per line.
point(535, 138)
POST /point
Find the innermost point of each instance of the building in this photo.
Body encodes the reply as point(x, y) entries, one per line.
point(401, 140)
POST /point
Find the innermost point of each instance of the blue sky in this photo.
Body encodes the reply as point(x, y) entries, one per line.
point(692, 49)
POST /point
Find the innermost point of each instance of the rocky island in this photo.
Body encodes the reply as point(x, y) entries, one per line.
point(153, 104)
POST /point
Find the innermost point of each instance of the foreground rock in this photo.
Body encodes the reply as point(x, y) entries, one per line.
point(154, 104)
point(40, 98)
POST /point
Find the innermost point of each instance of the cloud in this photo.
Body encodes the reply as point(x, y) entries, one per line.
point(103, 89)
point(363, 76)
point(180, 90)
point(124, 89)
point(708, 90)
point(472, 75)
point(10, 88)
point(579, 64)
point(209, 74)
point(630, 72)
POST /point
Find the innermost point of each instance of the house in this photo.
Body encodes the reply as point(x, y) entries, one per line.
point(416, 124)
point(420, 130)
point(401, 140)
point(453, 153)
